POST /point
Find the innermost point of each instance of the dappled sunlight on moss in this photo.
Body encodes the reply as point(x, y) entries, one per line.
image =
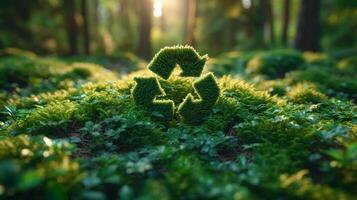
point(305, 93)
point(293, 137)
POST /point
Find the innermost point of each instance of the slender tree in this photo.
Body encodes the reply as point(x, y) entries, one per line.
point(145, 25)
point(308, 30)
point(270, 20)
point(124, 9)
point(232, 31)
point(286, 18)
point(190, 9)
point(85, 28)
point(71, 26)
point(259, 22)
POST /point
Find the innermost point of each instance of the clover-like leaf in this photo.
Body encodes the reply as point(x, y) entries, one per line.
point(190, 62)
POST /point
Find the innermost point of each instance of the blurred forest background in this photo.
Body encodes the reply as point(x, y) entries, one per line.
point(108, 27)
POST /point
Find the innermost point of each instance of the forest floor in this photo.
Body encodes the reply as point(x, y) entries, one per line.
point(284, 127)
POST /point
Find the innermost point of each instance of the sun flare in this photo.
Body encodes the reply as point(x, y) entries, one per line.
point(157, 8)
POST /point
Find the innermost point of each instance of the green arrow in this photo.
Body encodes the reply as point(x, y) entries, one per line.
point(145, 92)
point(194, 111)
point(190, 62)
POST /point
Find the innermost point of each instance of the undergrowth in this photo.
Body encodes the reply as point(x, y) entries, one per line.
point(91, 141)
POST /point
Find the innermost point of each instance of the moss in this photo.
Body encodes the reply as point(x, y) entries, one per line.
point(275, 64)
point(22, 70)
point(176, 88)
point(229, 63)
point(328, 81)
point(89, 71)
point(30, 166)
point(348, 64)
point(246, 93)
point(34, 75)
point(250, 145)
point(52, 119)
point(319, 59)
point(194, 111)
point(306, 93)
point(186, 57)
point(17, 52)
point(163, 64)
point(275, 87)
point(145, 92)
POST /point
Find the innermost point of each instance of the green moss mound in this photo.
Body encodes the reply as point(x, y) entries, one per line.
point(348, 64)
point(36, 75)
point(319, 59)
point(275, 64)
point(329, 81)
point(92, 141)
point(306, 93)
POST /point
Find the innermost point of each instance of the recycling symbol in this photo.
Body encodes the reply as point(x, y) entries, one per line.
point(192, 110)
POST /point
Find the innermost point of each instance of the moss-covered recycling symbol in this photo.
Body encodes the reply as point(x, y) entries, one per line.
point(191, 63)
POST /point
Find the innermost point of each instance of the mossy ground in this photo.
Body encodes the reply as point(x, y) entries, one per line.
point(292, 137)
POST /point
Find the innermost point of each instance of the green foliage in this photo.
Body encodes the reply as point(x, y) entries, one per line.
point(229, 63)
point(121, 133)
point(36, 166)
point(30, 74)
point(190, 62)
point(194, 111)
point(319, 59)
point(275, 64)
point(305, 93)
point(144, 94)
point(348, 64)
point(251, 145)
point(328, 81)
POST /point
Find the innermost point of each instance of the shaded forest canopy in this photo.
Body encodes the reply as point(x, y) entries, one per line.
point(144, 26)
point(261, 106)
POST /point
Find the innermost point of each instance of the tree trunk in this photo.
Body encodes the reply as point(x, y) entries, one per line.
point(270, 19)
point(144, 49)
point(308, 30)
point(124, 9)
point(86, 41)
point(260, 22)
point(232, 32)
point(190, 8)
point(71, 26)
point(286, 18)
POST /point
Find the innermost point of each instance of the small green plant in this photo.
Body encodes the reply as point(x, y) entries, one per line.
point(148, 88)
point(186, 57)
